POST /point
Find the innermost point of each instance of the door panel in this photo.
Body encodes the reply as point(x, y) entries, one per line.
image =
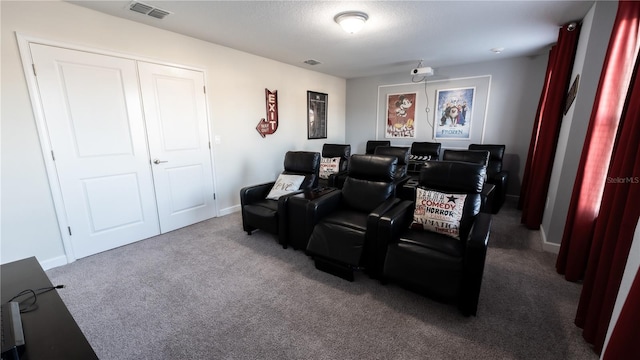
point(91, 105)
point(181, 180)
point(109, 210)
point(176, 119)
point(98, 118)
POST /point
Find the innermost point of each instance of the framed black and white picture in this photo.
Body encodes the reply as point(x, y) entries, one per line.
point(316, 115)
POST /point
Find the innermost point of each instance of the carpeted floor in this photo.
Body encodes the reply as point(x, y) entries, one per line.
point(210, 291)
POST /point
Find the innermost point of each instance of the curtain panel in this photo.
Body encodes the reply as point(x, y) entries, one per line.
point(604, 206)
point(544, 139)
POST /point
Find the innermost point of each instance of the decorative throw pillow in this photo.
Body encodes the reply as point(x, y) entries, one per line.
point(329, 166)
point(438, 212)
point(285, 184)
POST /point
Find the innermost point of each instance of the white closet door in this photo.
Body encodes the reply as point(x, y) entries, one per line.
point(176, 117)
point(91, 105)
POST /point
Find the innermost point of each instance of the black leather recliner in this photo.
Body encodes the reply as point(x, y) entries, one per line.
point(432, 263)
point(471, 156)
point(346, 221)
point(476, 157)
point(425, 148)
point(422, 152)
point(258, 212)
point(342, 151)
point(402, 154)
point(373, 144)
point(495, 174)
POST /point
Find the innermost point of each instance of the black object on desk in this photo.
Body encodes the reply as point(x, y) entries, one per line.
point(12, 334)
point(50, 332)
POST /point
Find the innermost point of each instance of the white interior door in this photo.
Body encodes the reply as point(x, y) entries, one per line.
point(91, 105)
point(176, 117)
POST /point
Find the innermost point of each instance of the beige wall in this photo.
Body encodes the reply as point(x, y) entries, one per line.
point(235, 92)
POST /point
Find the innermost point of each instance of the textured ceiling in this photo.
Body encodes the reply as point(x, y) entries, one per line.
point(396, 37)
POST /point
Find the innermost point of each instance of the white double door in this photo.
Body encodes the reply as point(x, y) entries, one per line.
point(130, 144)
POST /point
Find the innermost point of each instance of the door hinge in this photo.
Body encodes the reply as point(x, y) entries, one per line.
point(204, 89)
point(69, 228)
point(33, 66)
point(214, 196)
point(53, 156)
point(209, 145)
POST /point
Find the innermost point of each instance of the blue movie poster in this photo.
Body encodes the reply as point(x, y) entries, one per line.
point(454, 109)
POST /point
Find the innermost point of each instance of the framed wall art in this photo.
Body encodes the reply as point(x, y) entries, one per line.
point(316, 115)
point(470, 95)
point(454, 113)
point(401, 114)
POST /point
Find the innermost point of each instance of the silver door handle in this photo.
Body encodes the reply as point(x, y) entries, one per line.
point(158, 161)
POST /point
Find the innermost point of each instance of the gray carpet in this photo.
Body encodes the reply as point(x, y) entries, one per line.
point(210, 291)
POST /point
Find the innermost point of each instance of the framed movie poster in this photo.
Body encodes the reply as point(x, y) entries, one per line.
point(316, 115)
point(454, 113)
point(401, 115)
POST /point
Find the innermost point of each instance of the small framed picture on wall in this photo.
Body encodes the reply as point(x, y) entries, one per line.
point(316, 115)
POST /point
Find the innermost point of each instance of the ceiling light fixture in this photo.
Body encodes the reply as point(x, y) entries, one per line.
point(351, 21)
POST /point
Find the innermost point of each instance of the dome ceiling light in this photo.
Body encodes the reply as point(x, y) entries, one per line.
point(351, 21)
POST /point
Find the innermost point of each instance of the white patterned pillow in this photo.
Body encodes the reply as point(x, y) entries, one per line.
point(438, 212)
point(285, 184)
point(329, 166)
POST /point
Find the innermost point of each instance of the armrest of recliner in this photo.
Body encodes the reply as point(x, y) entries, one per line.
point(283, 217)
point(339, 179)
point(373, 254)
point(382, 209)
point(399, 183)
point(390, 226)
point(474, 259)
point(479, 236)
point(254, 193)
point(320, 207)
point(305, 213)
point(334, 179)
point(394, 222)
point(500, 180)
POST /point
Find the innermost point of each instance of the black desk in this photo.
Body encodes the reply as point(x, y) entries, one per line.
point(50, 332)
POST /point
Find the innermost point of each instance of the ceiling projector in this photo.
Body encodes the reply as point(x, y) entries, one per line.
point(426, 71)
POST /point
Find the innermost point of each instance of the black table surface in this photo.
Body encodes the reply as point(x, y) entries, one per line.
point(50, 332)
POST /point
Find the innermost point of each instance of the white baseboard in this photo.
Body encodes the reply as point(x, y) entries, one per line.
point(229, 210)
point(53, 263)
point(548, 246)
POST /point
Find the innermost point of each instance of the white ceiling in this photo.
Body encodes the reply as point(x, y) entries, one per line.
point(396, 37)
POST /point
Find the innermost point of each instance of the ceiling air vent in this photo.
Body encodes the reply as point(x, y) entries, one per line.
point(148, 10)
point(158, 14)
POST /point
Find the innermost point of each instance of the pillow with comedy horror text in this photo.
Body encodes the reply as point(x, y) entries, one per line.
point(329, 166)
point(438, 212)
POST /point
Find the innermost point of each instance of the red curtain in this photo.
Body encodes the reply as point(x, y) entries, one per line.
point(544, 138)
point(623, 343)
point(614, 228)
point(605, 202)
